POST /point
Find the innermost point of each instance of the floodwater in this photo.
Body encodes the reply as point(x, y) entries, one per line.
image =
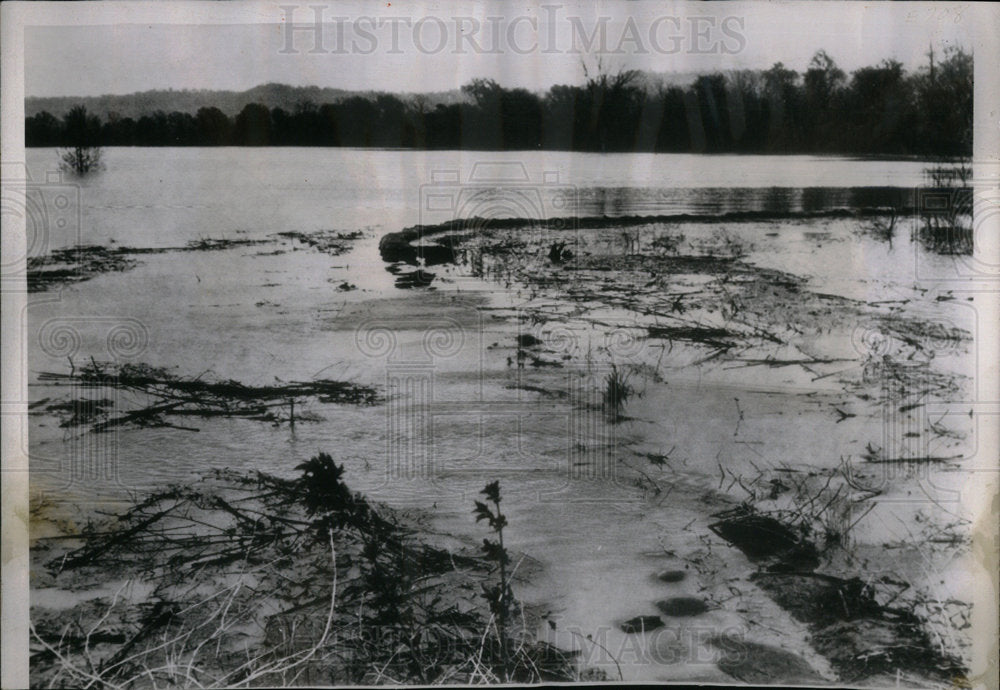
point(166, 196)
point(458, 413)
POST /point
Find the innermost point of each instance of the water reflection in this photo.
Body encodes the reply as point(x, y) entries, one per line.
point(414, 279)
point(408, 277)
point(623, 201)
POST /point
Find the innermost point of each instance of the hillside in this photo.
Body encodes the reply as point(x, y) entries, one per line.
point(135, 105)
point(272, 95)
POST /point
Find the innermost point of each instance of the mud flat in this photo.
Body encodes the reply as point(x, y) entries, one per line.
point(727, 506)
point(75, 264)
point(812, 372)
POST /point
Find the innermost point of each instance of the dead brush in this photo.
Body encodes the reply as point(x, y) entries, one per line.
point(668, 242)
point(823, 511)
point(883, 227)
point(159, 396)
point(722, 244)
point(255, 580)
point(788, 526)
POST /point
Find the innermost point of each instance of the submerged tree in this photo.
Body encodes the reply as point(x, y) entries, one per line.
point(82, 135)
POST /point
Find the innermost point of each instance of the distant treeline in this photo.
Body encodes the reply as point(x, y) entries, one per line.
point(876, 110)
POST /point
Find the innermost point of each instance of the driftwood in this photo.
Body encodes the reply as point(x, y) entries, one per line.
point(170, 395)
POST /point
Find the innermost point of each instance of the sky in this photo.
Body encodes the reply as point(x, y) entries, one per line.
point(426, 47)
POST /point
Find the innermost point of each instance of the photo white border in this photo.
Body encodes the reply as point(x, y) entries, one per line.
point(982, 488)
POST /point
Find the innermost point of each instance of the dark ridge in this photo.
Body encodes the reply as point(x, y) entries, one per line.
point(398, 246)
point(843, 615)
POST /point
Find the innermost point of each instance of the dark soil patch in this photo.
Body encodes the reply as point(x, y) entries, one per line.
point(867, 647)
point(671, 575)
point(812, 597)
point(766, 540)
point(641, 624)
point(751, 662)
point(400, 246)
point(682, 606)
point(860, 636)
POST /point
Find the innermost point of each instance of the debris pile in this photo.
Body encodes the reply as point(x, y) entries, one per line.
point(74, 265)
point(330, 242)
point(255, 580)
point(159, 394)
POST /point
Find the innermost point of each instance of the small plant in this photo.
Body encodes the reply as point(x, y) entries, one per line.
point(323, 484)
point(617, 391)
point(498, 596)
point(328, 500)
point(884, 227)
